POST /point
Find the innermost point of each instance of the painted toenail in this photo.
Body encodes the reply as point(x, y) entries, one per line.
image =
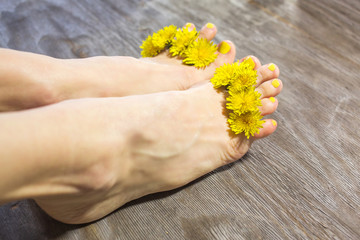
point(275, 83)
point(188, 25)
point(210, 25)
point(272, 67)
point(224, 48)
point(272, 99)
point(274, 122)
point(250, 61)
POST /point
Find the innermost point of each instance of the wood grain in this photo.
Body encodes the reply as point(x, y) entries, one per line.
point(303, 182)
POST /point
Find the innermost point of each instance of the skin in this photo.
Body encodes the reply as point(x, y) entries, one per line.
point(44, 80)
point(82, 159)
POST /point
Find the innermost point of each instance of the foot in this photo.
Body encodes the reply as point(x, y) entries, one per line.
point(123, 76)
point(50, 80)
point(167, 140)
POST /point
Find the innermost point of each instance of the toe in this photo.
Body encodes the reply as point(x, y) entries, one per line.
point(208, 31)
point(190, 26)
point(268, 105)
point(267, 72)
point(226, 53)
point(255, 60)
point(270, 88)
point(225, 47)
point(268, 128)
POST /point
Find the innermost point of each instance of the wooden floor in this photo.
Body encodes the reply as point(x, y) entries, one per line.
point(303, 182)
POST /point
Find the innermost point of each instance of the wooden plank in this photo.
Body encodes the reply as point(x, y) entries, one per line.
point(303, 182)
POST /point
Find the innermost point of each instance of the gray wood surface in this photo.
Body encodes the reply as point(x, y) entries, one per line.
point(303, 182)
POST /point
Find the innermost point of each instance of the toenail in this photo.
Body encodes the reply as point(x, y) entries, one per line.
point(224, 48)
point(210, 25)
point(272, 67)
point(275, 83)
point(251, 61)
point(274, 122)
point(188, 25)
point(272, 99)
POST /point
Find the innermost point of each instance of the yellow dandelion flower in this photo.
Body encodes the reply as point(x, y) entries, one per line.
point(164, 37)
point(224, 75)
point(244, 101)
point(154, 44)
point(183, 38)
point(248, 123)
point(148, 48)
point(200, 53)
point(245, 76)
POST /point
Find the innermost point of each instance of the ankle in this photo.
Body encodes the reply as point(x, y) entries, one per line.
point(26, 80)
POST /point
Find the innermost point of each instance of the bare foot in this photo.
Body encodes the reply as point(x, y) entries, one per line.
point(50, 80)
point(146, 144)
point(124, 76)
